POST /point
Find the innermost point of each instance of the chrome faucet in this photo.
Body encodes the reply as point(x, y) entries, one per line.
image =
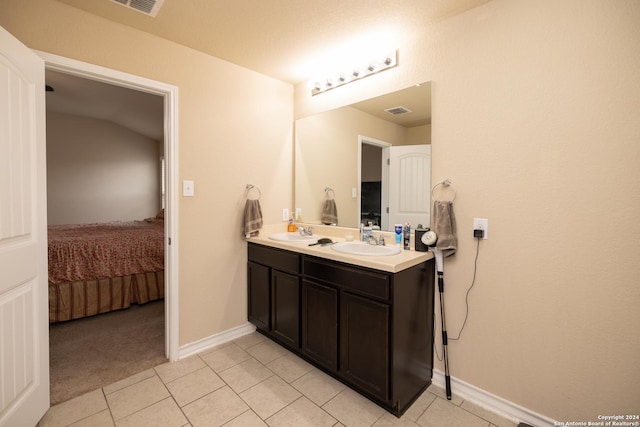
point(378, 242)
point(305, 231)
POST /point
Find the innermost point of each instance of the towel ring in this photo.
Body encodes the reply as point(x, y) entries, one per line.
point(445, 183)
point(327, 190)
point(252, 187)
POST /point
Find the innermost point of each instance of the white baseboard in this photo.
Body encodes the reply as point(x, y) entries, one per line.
point(214, 340)
point(491, 402)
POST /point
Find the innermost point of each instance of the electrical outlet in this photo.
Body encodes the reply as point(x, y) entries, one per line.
point(482, 224)
point(285, 214)
point(298, 214)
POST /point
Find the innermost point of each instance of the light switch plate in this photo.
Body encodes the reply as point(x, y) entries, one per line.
point(285, 214)
point(187, 188)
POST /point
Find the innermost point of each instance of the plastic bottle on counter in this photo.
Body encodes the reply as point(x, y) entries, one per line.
point(407, 236)
point(398, 229)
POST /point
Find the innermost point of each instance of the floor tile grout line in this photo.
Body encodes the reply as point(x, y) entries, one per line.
point(108, 406)
point(302, 395)
point(141, 409)
point(489, 423)
point(180, 408)
point(473, 413)
point(241, 414)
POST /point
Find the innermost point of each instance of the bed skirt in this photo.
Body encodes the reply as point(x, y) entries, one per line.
point(73, 300)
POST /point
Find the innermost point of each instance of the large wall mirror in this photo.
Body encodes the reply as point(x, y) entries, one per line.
point(373, 158)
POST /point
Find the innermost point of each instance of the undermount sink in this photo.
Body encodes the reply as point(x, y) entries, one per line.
point(366, 249)
point(293, 237)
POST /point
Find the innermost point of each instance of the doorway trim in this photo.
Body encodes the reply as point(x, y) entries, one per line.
point(170, 95)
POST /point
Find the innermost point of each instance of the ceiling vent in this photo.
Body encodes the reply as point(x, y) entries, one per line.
point(148, 7)
point(396, 111)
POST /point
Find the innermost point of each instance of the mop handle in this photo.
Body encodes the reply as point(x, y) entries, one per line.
point(447, 377)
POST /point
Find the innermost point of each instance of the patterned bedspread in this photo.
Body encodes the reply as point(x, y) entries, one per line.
point(112, 249)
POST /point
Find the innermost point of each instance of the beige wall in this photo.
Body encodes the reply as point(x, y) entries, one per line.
point(419, 135)
point(234, 129)
point(535, 120)
point(98, 171)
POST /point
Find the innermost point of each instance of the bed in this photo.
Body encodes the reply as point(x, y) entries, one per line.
point(102, 267)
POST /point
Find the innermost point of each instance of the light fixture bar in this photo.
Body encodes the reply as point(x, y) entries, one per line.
point(361, 71)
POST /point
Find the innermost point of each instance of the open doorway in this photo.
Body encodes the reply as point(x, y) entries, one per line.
point(160, 161)
point(373, 179)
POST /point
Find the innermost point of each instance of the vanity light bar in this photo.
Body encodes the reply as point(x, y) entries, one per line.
point(385, 62)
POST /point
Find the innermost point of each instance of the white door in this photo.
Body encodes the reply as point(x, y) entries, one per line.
point(410, 185)
point(24, 320)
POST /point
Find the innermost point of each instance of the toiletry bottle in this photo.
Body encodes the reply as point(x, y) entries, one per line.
point(291, 227)
point(367, 232)
point(398, 229)
point(407, 236)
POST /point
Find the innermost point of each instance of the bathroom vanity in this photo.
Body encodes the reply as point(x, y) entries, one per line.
point(367, 321)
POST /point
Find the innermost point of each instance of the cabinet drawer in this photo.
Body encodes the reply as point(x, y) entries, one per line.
point(275, 258)
point(362, 281)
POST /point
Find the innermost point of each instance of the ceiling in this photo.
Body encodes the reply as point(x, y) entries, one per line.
point(140, 112)
point(290, 40)
point(415, 100)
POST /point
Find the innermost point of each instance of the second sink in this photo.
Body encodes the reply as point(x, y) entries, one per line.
point(361, 248)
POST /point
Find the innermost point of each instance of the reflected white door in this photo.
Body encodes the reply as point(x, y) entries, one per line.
point(410, 185)
point(24, 320)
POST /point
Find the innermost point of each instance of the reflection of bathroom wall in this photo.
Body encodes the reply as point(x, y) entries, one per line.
point(327, 156)
point(418, 135)
point(371, 163)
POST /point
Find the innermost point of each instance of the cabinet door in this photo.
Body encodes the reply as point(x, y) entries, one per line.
point(320, 323)
point(285, 307)
point(364, 344)
point(258, 295)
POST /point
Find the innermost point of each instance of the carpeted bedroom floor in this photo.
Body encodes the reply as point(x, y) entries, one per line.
point(86, 354)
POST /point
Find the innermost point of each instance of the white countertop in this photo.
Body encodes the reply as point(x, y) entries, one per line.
point(388, 263)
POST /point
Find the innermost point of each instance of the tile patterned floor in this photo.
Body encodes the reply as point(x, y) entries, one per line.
point(251, 382)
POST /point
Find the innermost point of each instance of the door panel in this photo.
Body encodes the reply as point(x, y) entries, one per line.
point(410, 185)
point(259, 295)
point(364, 343)
point(320, 323)
point(285, 300)
point(24, 326)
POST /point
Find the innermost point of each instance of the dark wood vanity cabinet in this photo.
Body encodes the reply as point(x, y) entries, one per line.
point(319, 307)
point(370, 329)
point(274, 293)
point(259, 295)
point(285, 311)
point(364, 343)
